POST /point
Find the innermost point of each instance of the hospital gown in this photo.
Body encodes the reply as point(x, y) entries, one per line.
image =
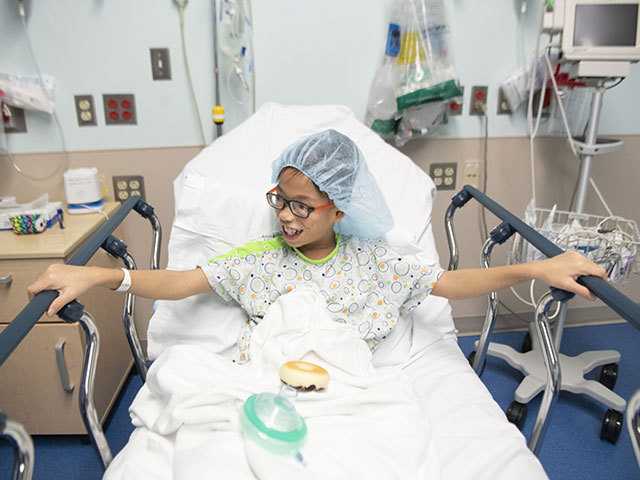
point(366, 284)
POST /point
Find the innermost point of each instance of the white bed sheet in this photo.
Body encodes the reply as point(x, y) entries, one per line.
point(471, 435)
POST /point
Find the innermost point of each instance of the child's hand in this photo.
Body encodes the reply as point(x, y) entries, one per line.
point(70, 281)
point(563, 270)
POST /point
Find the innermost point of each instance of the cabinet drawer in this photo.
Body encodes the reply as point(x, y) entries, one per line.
point(31, 391)
point(14, 298)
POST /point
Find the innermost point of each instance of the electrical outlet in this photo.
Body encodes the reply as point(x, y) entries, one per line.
point(85, 110)
point(503, 104)
point(160, 64)
point(471, 173)
point(125, 186)
point(444, 175)
point(119, 109)
point(13, 119)
point(456, 104)
point(478, 105)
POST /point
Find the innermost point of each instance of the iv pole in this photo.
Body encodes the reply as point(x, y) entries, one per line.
point(587, 149)
point(218, 109)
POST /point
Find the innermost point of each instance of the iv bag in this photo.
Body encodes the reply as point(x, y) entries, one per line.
point(236, 44)
point(410, 90)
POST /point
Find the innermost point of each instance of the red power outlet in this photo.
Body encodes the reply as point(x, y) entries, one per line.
point(119, 109)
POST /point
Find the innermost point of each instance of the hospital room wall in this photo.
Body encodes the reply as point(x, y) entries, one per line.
point(507, 182)
point(309, 52)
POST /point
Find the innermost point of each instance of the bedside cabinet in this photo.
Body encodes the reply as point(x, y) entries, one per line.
point(39, 382)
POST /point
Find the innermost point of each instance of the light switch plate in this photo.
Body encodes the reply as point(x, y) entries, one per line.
point(160, 64)
point(444, 175)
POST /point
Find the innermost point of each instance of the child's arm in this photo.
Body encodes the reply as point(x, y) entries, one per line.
point(560, 272)
point(72, 282)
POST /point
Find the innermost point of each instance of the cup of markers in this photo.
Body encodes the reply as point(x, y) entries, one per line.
point(25, 223)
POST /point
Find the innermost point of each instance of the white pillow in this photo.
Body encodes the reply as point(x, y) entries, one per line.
point(220, 203)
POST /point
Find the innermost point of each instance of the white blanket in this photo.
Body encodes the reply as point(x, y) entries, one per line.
point(368, 423)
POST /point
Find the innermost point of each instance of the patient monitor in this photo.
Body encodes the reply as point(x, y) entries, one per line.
point(602, 36)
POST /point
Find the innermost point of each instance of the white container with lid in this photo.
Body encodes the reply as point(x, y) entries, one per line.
point(82, 190)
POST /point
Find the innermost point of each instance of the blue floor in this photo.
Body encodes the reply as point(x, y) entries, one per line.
point(571, 450)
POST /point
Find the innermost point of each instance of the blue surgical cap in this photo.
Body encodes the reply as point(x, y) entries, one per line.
point(337, 167)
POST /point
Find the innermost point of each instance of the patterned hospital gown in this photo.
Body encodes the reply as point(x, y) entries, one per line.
point(365, 283)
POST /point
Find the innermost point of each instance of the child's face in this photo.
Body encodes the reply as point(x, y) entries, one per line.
point(318, 227)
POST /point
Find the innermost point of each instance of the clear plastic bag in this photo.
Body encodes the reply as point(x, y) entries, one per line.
point(577, 105)
point(27, 91)
point(416, 72)
point(516, 86)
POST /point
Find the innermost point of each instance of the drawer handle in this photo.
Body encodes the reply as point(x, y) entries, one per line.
point(6, 280)
point(62, 367)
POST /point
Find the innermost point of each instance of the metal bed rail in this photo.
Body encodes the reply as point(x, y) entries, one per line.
point(23, 448)
point(510, 225)
point(633, 423)
point(15, 332)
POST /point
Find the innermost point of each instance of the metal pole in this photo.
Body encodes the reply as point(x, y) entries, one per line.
point(480, 358)
point(554, 380)
point(128, 319)
point(87, 403)
point(633, 416)
point(157, 241)
point(559, 327)
point(590, 140)
point(24, 453)
point(451, 237)
point(216, 65)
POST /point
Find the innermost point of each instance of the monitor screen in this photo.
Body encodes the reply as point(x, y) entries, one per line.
point(606, 25)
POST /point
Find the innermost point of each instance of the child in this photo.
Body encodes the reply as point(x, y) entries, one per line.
point(332, 218)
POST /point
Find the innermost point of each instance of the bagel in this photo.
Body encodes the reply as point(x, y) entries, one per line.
point(304, 376)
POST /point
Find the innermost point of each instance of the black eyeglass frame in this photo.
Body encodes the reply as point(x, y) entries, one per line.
point(272, 194)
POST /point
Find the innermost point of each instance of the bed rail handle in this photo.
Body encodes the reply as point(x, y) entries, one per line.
point(613, 298)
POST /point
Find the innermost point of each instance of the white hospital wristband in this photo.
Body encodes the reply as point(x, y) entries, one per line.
point(126, 282)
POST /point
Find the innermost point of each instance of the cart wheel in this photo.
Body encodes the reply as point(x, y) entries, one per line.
point(517, 414)
point(526, 343)
point(611, 426)
point(471, 357)
point(609, 375)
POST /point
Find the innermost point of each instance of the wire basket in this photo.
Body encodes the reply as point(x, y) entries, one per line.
point(611, 242)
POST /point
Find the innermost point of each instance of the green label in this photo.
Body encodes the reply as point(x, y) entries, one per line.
point(384, 127)
point(441, 91)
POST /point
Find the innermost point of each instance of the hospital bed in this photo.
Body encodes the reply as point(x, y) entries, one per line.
point(219, 203)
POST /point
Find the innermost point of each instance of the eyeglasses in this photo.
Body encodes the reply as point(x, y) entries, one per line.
point(297, 208)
